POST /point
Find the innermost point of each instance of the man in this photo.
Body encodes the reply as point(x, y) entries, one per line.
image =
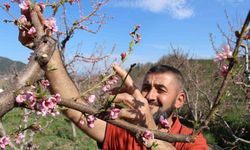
point(152, 107)
point(162, 92)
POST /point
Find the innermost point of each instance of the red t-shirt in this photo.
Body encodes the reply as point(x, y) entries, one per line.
point(120, 139)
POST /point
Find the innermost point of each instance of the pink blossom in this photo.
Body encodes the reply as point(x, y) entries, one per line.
point(164, 122)
point(91, 99)
point(123, 56)
point(51, 24)
point(137, 38)
point(42, 5)
point(113, 114)
point(7, 6)
point(223, 70)
point(45, 83)
point(32, 31)
point(30, 98)
point(112, 80)
point(218, 57)
point(22, 21)
point(48, 103)
point(90, 120)
point(4, 141)
point(47, 106)
point(115, 78)
point(81, 122)
point(19, 138)
point(224, 54)
point(42, 110)
point(106, 88)
point(57, 98)
point(25, 5)
point(148, 135)
point(20, 98)
point(227, 50)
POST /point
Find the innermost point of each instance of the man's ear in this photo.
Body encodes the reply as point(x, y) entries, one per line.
point(180, 99)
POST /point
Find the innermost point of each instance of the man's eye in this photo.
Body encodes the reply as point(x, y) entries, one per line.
point(161, 90)
point(145, 88)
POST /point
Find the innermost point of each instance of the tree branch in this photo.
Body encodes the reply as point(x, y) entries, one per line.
point(128, 126)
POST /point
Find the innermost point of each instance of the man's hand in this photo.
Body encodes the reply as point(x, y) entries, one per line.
point(25, 38)
point(138, 111)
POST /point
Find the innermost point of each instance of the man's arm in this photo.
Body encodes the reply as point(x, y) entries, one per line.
point(62, 83)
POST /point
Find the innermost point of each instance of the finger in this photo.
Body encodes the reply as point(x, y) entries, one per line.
point(129, 83)
point(25, 39)
point(127, 114)
point(122, 73)
point(125, 98)
point(39, 14)
point(117, 90)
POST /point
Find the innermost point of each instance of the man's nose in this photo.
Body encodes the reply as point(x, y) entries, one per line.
point(151, 95)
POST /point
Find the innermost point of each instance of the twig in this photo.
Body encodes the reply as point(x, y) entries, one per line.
point(231, 131)
point(217, 99)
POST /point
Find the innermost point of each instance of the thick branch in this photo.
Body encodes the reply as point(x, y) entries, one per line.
point(31, 73)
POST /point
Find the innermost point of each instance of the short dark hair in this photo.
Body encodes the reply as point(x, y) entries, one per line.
point(166, 69)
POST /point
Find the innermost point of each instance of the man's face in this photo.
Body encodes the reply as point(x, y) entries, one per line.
point(161, 91)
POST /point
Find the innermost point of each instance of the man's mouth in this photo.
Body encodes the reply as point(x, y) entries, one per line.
point(153, 105)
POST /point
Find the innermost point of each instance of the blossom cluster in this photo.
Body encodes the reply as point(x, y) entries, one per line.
point(23, 22)
point(40, 101)
point(114, 112)
point(4, 141)
point(19, 137)
point(164, 122)
point(91, 99)
point(135, 35)
point(223, 55)
point(107, 86)
point(90, 121)
point(147, 135)
point(50, 23)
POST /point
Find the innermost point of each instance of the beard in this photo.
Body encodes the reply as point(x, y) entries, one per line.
point(166, 114)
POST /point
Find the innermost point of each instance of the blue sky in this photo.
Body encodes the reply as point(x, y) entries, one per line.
point(185, 24)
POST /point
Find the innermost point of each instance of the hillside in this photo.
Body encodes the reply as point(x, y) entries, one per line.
point(7, 65)
point(201, 77)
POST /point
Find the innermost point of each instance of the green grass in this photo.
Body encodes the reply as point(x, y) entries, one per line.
point(210, 138)
point(57, 135)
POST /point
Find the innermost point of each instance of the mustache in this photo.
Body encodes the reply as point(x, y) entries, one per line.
point(155, 103)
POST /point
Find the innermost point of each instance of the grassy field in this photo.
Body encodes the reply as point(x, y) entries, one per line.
point(57, 135)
